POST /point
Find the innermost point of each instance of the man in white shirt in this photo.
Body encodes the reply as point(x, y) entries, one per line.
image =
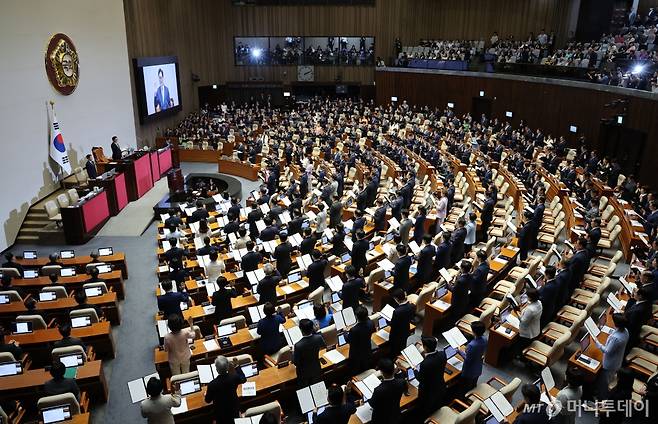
point(215, 267)
point(321, 219)
point(471, 230)
point(529, 321)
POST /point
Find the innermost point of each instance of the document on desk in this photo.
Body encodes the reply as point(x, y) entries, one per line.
point(249, 388)
point(614, 302)
point(335, 283)
point(180, 409)
point(364, 412)
point(513, 321)
point(592, 328)
point(386, 265)
point(211, 345)
point(287, 289)
point(456, 362)
point(455, 337)
point(440, 304)
point(387, 312)
point(628, 286)
point(383, 334)
point(412, 355)
point(334, 356)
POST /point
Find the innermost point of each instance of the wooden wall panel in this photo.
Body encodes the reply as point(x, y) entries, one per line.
point(548, 106)
point(200, 33)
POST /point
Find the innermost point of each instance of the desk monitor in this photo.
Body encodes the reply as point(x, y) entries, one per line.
point(389, 237)
point(47, 296)
point(55, 414)
point(346, 257)
point(381, 323)
point(93, 291)
point(294, 277)
point(4, 299)
point(67, 254)
point(103, 269)
point(305, 304)
point(71, 361)
point(441, 291)
point(325, 240)
point(410, 374)
point(505, 313)
point(305, 224)
point(29, 254)
point(450, 352)
point(67, 272)
point(21, 327)
point(371, 246)
point(342, 339)
point(584, 343)
point(192, 385)
point(30, 273)
point(10, 368)
point(335, 297)
point(105, 251)
point(250, 369)
point(78, 322)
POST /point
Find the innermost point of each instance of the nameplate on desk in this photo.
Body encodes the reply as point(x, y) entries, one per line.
point(588, 362)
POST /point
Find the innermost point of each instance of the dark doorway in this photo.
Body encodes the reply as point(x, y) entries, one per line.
point(626, 145)
point(481, 105)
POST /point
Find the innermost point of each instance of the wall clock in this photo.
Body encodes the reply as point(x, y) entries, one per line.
point(305, 73)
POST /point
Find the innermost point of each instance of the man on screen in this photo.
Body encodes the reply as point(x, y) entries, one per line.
point(161, 100)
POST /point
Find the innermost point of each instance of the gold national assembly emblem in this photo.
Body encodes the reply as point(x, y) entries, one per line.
point(62, 66)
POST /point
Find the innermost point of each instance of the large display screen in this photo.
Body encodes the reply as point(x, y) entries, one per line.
point(157, 86)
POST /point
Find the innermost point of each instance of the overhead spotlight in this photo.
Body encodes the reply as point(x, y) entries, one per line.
point(638, 69)
point(256, 53)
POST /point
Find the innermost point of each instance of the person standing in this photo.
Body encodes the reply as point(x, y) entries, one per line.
point(530, 320)
point(222, 391)
point(116, 149)
point(306, 355)
point(613, 354)
point(177, 345)
point(157, 407)
point(431, 383)
point(475, 349)
point(403, 314)
point(358, 337)
point(385, 400)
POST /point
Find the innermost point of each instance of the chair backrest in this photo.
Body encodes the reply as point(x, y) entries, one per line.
point(12, 272)
point(424, 296)
point(58, 352)
point(58, 400)
point(468, 415)
point(73, 195)
point(510, 388)
point(558, 348)
point(273, 407)
point(185, 376)
point(7, 357)
point(614, 233)
point(329, 334)
point(240, 321)
point(80, 176)
point(51, 208)
point(316, 295)
point(283, 354)
point(50, 269)
point(487, 315)
point(242, 359)
point(13, 295)
point(60, 292)
point(38, 323)
point(63, 200)
point(614, 220)
point(99, 284)
point(87, 312)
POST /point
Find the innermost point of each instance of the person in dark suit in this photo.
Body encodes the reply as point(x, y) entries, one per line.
point(537, 218)
point(161, 98)
point(534, 410)
point(578, 264)
point(10, 262)
point(199, 213)
point(442, 258)
point(174, 251)
point(295, 225)
point(638, 311)
point(271, 230)
point(251, 259)
point(169, 302)
point(359, 223)
point(426, 260)
point(222, 391)
point(221, 299)
point(594, 232)
point(254, 216)
point(59, 384)
point(339, 410)
point(360, 353)
point(385, 400)
point(457, 241)
point(282, 255)
point(431, 383)
point(81, 301)
point(524, 236)
point(548, 295)
point(335, 212)
point(268, 330)
point(306, 355)
point(459, 303)
point(266, 287)
point(315, 271)
point(479, 279)
point(359, 250)
point(90, 167)
point(486, 216)
point(116, 149)
point(402, 316)
point(379, 217)
point(207, 248)
point(352, 288)
point(563, 282)
point(362, 200)
point(308, 243)
point(419, 225)
point(475, 349)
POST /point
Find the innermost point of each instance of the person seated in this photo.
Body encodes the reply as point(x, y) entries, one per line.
point(7, 286)
point(66, 340)
point(93, 276)
point(58, 384)
point(11, 263)
point(322, 318)
point(53, 260)
point(81, 299)
point(12, 346)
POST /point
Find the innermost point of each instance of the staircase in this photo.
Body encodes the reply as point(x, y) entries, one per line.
point(37, 228)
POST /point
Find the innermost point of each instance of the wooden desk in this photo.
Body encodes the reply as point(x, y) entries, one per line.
point(113, 281)
point(115, 187)
point(198, 155)
point(60, 308)
point(80, 262)
point(79, 419)
point(498, 342)
point(238, 168)
point(29, 385)
point(85, 218)
point(39, 343)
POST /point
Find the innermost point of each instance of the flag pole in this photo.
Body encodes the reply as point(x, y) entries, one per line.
point(52, 117)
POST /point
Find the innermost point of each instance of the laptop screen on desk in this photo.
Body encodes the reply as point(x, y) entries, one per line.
point(4, 299)
point(346, 257)
point(381, 323)
point(55, 414)
point(105, 251)
point(102, 269)
point(67, 254)
point(29, 254)
point(30, 273)
point(80, 322)
point(47, 296)
point(71, 361)
point(22, 327)
point(341, 339)
point(67, 272)
point(294, 277)
point(190, 386)
point(10, 368)
point(249, 370)
point(93, 291)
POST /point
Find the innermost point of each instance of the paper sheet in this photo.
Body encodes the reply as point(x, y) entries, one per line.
point(249, 388)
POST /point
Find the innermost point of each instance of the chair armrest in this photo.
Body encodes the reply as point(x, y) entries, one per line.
point(497, 380)
point(91, 355)
point(269, 361)
point(535, 350)
point(458, 405)
point(84, 402)
point(51, 323)
point(25, 361)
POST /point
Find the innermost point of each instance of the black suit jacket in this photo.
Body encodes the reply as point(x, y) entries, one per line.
point(459, 303)
point(385, 401)
point(350, 292)
point(90, 167)
point(338, 414)
point(401, 272)
point(307, 361)
point(578, 267)
point(251, 260)
point(335, 214)
point(282, 255)
point(563, 281)
point(359, 339)
point(307, 245)
point(379, 218)
point(222, 392)
point(479, 283)
point(359, 250)
point(315, 273)
point(295, 226)
point(548, 295)
point(116, 151)
point(442, 258)
point(402, 317)
point(637, 315)
point(221, 300)
point(430, 375)
point(535, 415)
point(266, 288)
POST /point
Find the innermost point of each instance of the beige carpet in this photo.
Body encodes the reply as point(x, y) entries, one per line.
point(137, 215)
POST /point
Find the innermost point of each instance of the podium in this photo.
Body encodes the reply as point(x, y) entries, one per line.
point(137, 170)
point(115, 187)
point(82, 220)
